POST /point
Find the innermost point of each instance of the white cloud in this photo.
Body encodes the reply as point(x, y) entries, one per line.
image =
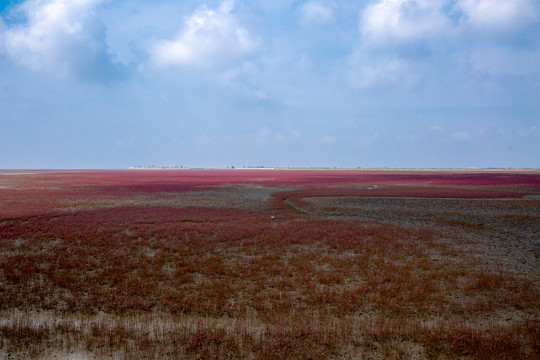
point(368, 70)
point(461, 136)
point(3, 29)
point(532, 131)
point(240, 79)
point(436, 128)
point(368, 140)
point(326, 139)
point(505, 60)
point(61, 35)
point(266, 134)
point(401, 39)
point(315, 12)
point(388, 27)
point(401, 20)
point(490, 15)
point(209, 38)
point(261, 94)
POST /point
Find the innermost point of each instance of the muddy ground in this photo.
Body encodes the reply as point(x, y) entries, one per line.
point(501, 233)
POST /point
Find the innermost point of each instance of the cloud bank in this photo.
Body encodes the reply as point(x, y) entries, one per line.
point(400, 20)
point(402, 40)
point(62, 36)
point(397, 40)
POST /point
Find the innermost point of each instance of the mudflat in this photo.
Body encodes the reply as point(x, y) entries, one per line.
point(265, 264)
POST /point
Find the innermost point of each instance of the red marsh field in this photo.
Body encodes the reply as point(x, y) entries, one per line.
point(269, 264)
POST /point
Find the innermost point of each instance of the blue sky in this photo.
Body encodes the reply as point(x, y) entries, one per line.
point(378, 83)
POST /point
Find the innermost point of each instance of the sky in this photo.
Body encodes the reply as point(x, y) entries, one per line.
point(329, 83)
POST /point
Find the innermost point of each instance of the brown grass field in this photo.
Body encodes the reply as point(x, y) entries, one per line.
point(269, 264)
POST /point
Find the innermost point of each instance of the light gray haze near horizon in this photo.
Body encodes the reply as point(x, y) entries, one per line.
point(379, 83)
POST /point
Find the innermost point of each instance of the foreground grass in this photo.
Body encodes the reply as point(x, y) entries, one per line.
point(136, 282)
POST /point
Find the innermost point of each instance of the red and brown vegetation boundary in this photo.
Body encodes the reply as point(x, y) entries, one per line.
point(171, 264)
